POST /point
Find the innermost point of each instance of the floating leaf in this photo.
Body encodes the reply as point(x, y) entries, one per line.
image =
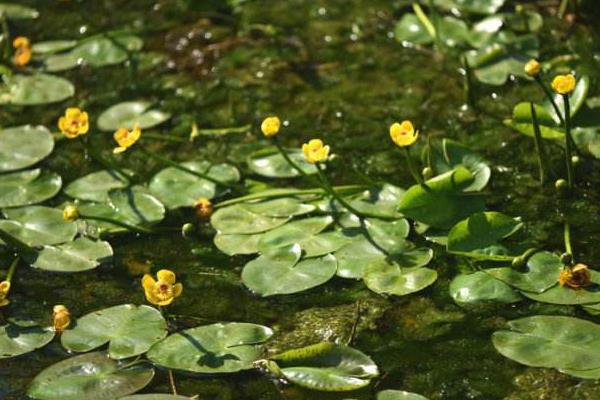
point(92, 376)
point(327, 367)
point(16, 340)
point(540, 273)
point(442, 203)
point(237, 244)
point(451, 31)
point(381, 200)
point(566, 295)
point(551, 342)
point(176, 188)
point(130, 113)
point(156, 396)
point(279, 272)
point(470, 6)
point(270, 163)
point(211, 349)
point(17, 11)
point(135, 205)
point(95, 186)
point(238, 220)
point(522, 122)
point(28, 187)
point(38, 226)
point(293, 232)
point(23, 146)
point(31, 90)
point(323, 243)
point(388, 278)
point(52, 46)
point(128, 329)
point(284, 207)
point(79, 255)
point(398, 395)
point(478, 236)
point(455, 154)
point(480, 287)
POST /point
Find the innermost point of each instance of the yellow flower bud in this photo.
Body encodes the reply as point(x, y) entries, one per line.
point(270, 126)
point(315, 152)
point(126, 138)
point(576, 277)
point(61, 318)
point(74, 123)
point(70, 213)
point(22, 51)
point(532, 68)
point(203, 208)
point(403, 134)
point(164, 290)
point(4, 289)
point(564, 84)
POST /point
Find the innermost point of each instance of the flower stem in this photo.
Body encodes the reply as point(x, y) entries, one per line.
point(562, 9)
point(424, 19)
point(5, 37)
point(104, 162)
point(224, 131)
point(12, 268)
point(550, 98)
point(129, 227)
point(411, 167)
point(287, 158)
point(567, 236)
point(537, 137)
point(568, 141)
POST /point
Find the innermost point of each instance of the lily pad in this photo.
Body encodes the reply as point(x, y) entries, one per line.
point(540, 273)
point(442, 203)
point(16, 340)
point(270, 163)
point(176, 188)
point(379, 200)
point(327, 367)
point(384, 277)
point(92, 376)
point(28, 187)
point(566, 295)
point(130, 113)
point(470, 6)
point(551, 342)
point(477, 236)
point(284, 207)
point(31, 90)
point(293, 232)
point(522, 122)
point(23, 146)
point(451, 31)
point(17, 11)
point(279, 272)
point(38, 225)
point(454, 154)
point(52, 46)
point(237, 244)
point(95, 186)
point(323, 243)
point(238, 220)
point(79, 255)
point(128, 329)
point(480, 287)
point(136, 205)
point(155, 396)
point(211, 349)
point(398, 395)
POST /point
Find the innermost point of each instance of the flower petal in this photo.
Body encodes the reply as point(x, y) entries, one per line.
point(177, 289)
point(148, 282)
point(167, 276)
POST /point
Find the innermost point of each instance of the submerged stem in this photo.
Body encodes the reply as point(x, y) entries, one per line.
point(537, 137)
point(568, 142)
point(411, 167)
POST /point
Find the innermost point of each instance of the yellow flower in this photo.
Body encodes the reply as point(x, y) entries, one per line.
point(203, 208)
point(403, 134)
point(564, 84)
point(532, 68)
point(164, 290)
point(314, 151)
point(576, 277)
point(70, 213)
point(74, 123)
point(270, 126)
point(126, 138)
point(61, 318)
point(22, 51)
point(4, 289)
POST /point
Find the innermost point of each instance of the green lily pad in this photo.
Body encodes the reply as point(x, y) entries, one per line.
point(155, 396)
point(442, 202)
point(279, 272)
point(79, 255)
point(398, 395)
point(293, 232)
point(238, 220)
point(323, 243)
point(524, 21)
point(454, 154)
point(128, 329)
point(31, 90)
point(28, 187)
point(451, 31)
point(176, 188)
point(566, 295)
point(16, 340)
point(583, 374)
point(381, 199)
point(551, 342)
point(327, 367)
point(477, 236)
point(92, 376)
point(540, 274)
point(470, 6)
point(284, 207)
point(38, 225)
point(237, 244)
point(480, 287)
point(23, 146)
point(96, 51)
point(130, 113)
point(270, 163)
point(522, 122)
point(95, 186)
point(17, 11)
point(135, 205)
point(103, 210)
point(52, 46)
point(212, 349)
point(384, 277)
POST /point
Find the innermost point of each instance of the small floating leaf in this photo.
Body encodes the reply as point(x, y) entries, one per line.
point(17, 11)
point(129, 113)
point(284, 207)
point(270, 163)
point(566, 295)
point(398, 395)
point(237, 244)
point(28, 187)
point(293, 232)
point(31, 90)
point(38, 226)
point(540, 274)
point(79, 255)
point(388, 278)
point(95, 186)
point(238, 220)
point(480, 287)
point(23, 146)
point(16, 340)
point(135, 205)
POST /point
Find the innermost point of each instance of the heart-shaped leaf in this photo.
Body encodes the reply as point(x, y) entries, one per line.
point(398, 395)
point(540, 273)
point(17, 11)
point(238, 220)
point(480, 287)
point(31, 90)
point(565, 295)
point(130, 113)
point(23, 146)
point(454, 154)
point(79, 255)
point(16, 340)
point(385, 277)
point(95, 186)
point(28, 187)
point(38, 226)
point(293, 232)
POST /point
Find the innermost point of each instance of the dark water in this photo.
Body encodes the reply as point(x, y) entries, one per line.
point(333, 70)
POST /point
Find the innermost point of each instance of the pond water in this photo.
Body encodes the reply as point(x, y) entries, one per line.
point(332, 69)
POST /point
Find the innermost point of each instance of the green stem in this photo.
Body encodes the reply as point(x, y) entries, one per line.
point(537, 137)
point(563, 8)
point(129, 227)
point(424, 19)
point(5, 37)
point(12, 268)
point(224, 131)
point(287, 157)
point(568, 141)
point(567, 236)
point(418, 178)
point(550, 98)
point(104, 162)
point(469, 82)
point(185, 169)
